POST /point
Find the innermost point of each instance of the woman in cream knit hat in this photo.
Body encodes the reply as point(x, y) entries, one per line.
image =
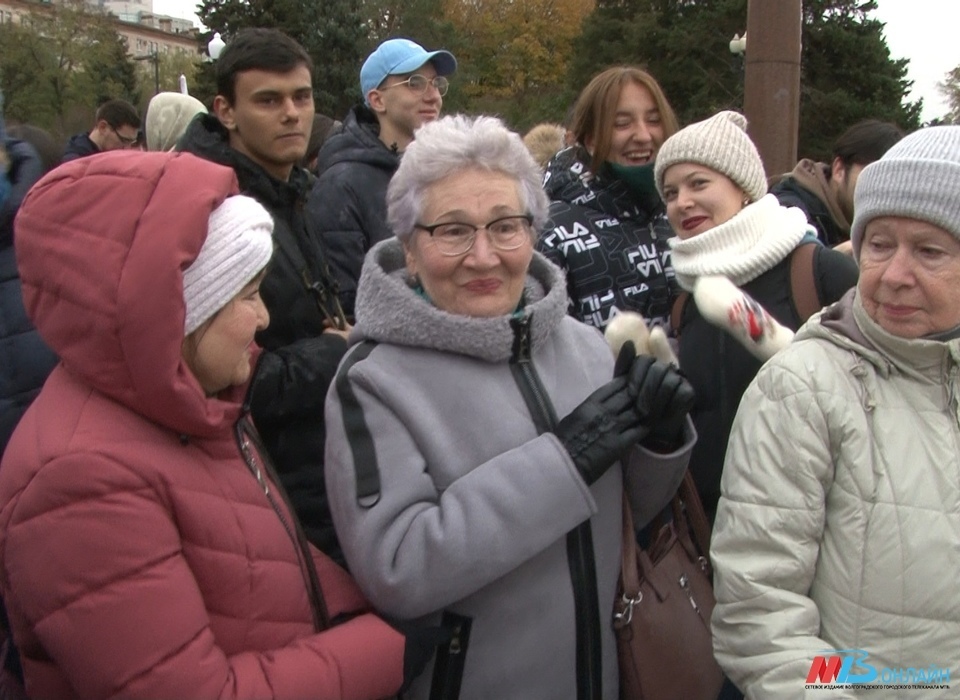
point(730, 235)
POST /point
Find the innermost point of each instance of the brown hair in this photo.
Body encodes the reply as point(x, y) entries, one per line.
point(596, 108)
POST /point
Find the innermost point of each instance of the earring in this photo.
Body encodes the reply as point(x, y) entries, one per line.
point(746, 201)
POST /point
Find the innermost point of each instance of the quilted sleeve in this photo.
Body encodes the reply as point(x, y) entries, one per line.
point(93, 571)
point(769, 524)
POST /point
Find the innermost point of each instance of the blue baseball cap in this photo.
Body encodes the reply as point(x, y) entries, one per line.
point(399, 56)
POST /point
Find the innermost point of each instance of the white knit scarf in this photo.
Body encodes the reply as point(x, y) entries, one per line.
point(743, 248)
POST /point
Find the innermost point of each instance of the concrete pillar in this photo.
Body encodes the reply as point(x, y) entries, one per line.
point(772, 84)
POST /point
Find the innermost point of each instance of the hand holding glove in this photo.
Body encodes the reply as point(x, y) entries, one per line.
point(663, 398)
point(605, 425)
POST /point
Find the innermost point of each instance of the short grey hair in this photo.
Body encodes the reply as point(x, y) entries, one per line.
point(454, 143)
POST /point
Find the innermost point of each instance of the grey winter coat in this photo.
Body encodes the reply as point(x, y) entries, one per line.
point(471, 509)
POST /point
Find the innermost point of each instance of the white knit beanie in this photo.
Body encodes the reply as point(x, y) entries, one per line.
point(720, 143)
point(239, 244)
point(917, 179)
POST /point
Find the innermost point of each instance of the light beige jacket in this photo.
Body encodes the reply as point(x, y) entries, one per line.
point(839, 521)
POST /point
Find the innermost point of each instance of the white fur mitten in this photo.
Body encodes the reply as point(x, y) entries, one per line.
point(724, 305)
point(631, 326)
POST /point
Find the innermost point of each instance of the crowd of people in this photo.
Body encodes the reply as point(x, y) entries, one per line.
point(294, 407)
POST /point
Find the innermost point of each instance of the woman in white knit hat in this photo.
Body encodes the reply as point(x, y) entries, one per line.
point(146, 548)
point(839, 525)
point(731, 236)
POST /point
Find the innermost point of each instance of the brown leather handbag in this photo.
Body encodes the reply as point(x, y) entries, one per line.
point(664, 602)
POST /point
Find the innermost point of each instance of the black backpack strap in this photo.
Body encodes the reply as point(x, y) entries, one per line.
point(325, 291)
point(803, 286)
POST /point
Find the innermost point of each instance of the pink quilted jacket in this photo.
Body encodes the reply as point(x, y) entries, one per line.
point(139, 554)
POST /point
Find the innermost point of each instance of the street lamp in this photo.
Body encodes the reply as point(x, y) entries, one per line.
point(215, 46)
point(154, 57)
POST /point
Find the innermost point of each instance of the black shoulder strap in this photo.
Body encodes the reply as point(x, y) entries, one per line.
point(324, 291)
point(803, 285)
point(357, 431)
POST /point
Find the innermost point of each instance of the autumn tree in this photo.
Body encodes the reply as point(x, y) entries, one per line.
point(847, 73)
point(513, 56)
point(60, 62)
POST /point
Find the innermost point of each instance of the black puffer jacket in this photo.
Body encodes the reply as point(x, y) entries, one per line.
point(347, 207)
point(720, 369)
point(292, 379)
point(25, 361)
point(612, 247)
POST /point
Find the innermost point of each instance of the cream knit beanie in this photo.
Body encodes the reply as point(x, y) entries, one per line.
point(720, 143)
point(239, 244)
point(917, 179)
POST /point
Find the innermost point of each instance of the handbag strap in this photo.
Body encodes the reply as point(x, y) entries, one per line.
point(696, 515)
point(629, 579)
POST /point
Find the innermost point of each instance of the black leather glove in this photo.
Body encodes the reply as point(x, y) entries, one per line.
point(598, 431)
point(420, 645)
point(663, 400)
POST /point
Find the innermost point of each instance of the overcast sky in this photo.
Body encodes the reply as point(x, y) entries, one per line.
point(925, 31)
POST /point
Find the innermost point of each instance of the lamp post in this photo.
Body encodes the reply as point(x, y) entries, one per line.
point(738, 47)
point(771, 100)
point(154, 57)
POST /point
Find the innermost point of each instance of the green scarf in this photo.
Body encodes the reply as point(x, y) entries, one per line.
point(639, 180)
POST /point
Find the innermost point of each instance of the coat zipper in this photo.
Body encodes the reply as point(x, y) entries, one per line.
point(314, 592)
point(580, 555)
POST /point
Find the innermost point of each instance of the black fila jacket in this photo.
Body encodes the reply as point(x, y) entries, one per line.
point(611, 247)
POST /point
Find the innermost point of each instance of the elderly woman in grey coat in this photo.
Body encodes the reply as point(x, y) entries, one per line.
point(479, 439)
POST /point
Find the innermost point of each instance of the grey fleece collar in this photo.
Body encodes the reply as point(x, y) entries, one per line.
point(388, 310)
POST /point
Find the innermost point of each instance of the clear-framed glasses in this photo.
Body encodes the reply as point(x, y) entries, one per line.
point(456, 238)
point(127, 141)
point(418, 83)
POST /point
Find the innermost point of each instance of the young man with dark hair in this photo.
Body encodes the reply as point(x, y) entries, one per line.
point(824, 191)
point(260, 126)
point(116, 126)
point(403, 86)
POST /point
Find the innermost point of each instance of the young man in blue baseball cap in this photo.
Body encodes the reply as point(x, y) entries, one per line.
point(403, 86)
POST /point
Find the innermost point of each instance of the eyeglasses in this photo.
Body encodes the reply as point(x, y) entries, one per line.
point(455, 238)
point(127, 141)
point(418, 83)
